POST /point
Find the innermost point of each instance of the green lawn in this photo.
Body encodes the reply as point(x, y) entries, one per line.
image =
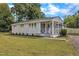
point(73, 31)
point(28, 45)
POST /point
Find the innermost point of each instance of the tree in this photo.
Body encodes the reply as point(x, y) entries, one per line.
point(29, 10)
point(72, 21)
point(5, 17)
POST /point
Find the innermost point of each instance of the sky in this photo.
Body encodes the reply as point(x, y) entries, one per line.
point(58, 9)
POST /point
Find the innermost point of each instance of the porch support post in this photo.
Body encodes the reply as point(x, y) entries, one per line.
point(45, 27)
point(52, 29)
point(58, 29)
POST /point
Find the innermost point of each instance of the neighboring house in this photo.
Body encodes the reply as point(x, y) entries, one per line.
point(39, 27)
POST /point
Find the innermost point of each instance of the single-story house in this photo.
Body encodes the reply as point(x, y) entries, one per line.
point(40, 27)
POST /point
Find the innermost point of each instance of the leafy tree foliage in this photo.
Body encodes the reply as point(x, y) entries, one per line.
point(72, 21)
point(5, 17)
point(28, 10)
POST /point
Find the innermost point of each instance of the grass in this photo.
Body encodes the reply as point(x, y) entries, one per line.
point(73, 31)
point(14, 45)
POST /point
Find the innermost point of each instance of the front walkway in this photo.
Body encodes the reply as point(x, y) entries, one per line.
point(75, 42)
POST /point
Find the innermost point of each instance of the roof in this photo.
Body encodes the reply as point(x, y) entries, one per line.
point(40, 20)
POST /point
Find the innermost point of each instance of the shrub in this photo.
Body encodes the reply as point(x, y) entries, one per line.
point(63, 32)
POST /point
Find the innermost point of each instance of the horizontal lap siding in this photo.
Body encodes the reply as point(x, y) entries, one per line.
point(26, 29)
point(15, 29)
point(34, 29)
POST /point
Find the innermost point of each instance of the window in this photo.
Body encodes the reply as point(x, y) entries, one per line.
point(56, 24)
point(32, 25)
point(60, 25)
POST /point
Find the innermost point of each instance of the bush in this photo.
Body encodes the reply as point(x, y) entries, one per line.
point(63, 32)
point(4, 30)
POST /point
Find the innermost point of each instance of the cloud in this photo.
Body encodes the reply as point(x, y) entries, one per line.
point(76, 4)
point(52, 9)
point(64, 11)
point(68, 10)
point(42, 9)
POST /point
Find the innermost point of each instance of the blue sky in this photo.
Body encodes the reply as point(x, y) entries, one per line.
point(58, 9)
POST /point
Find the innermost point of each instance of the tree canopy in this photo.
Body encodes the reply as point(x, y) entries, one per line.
point(5, 17)
point(72, 21)
point(27, 10)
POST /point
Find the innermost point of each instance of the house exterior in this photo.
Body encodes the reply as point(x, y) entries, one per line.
point(42, 27)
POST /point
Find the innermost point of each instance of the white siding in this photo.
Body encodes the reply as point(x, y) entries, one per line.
point(33, 29)
point(56, 29)
point(26, 29)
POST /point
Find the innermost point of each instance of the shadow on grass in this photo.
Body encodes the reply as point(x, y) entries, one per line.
point(9, 34)
point(22, 36)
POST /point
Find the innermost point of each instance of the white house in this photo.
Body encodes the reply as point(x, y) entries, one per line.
point(39, 27)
